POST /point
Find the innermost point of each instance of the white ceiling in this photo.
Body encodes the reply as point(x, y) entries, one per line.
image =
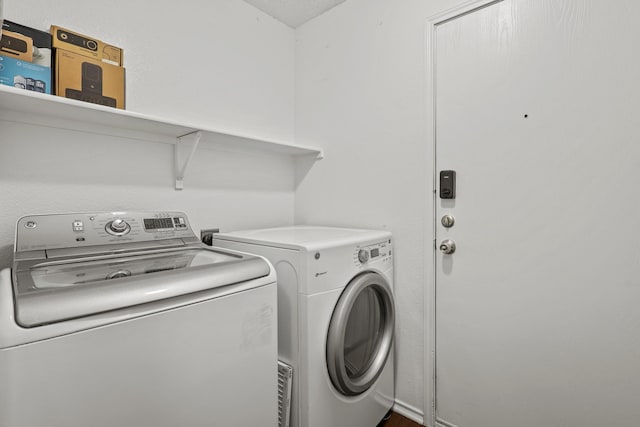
point(294, 12)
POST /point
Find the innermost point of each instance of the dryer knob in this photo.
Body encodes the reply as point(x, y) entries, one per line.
point(363, 256)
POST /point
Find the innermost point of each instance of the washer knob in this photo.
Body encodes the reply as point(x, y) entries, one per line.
point(363, 256)
point(118, 227)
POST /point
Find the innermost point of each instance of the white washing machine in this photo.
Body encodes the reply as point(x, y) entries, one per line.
point(336, 319)
point(125, 319)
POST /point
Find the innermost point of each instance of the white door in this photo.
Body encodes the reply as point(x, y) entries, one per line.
point(538, 309)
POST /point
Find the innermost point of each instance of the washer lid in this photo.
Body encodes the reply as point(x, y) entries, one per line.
point(49, 292)
point(78, 273)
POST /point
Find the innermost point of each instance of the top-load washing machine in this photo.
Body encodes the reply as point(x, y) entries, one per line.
point(125, 319)
point(335, 319)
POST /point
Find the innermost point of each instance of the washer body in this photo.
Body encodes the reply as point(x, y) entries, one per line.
point(141, 326)
point(335, 319)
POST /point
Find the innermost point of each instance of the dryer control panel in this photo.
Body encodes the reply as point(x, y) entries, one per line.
point(371, 253)
point(100, 229)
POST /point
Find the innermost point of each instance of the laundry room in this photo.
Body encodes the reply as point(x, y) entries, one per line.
point(475, 141)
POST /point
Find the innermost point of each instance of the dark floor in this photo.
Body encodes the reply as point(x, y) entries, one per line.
point(398, 421)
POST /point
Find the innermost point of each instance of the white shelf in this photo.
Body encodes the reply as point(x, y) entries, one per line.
point(19, 105)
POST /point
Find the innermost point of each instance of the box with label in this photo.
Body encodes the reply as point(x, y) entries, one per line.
point(26, 58)
point(25, 75)
point(91, 80)
point(87, 46)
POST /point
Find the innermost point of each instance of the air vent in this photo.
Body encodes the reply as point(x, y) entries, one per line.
point(285, 376)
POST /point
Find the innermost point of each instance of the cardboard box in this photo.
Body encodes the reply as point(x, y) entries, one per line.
point(87, 46)
point(25, 43)
point(25, 58)
point(88, 69)
point(25, 75)
point(16, 45)
point(87, 79)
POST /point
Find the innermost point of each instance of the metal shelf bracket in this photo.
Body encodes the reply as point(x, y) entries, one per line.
point(181, 168)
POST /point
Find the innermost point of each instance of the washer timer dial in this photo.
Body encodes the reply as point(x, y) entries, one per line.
point(117, 227)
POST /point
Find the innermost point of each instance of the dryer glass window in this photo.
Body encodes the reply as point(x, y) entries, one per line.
point(363, 333)
point(360, 334)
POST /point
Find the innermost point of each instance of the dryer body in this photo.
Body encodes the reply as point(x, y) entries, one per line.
point(336, 316)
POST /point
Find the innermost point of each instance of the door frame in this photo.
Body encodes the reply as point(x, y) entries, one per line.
point(430, 232)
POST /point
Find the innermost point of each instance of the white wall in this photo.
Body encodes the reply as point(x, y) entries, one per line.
point(360, 93)
point(245, 59)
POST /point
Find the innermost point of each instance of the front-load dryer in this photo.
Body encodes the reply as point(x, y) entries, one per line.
point(336, 319)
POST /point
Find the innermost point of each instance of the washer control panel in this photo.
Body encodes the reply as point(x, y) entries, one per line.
point(371, 253)
point(38, 232)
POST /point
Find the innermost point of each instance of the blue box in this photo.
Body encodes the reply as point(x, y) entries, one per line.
point(25, 58)
point(25, 75)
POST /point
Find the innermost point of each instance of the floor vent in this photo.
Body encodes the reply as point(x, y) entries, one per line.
point(285, 376)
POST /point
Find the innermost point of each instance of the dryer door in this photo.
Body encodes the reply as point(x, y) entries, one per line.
point(360, 334)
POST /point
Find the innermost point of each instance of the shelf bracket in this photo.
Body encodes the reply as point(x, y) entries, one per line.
point(181, 169)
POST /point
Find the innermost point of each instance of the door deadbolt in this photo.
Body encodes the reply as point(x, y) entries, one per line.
point(447, 221)
point(447, 247)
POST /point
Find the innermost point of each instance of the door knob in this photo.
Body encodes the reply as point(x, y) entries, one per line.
point(447, 247)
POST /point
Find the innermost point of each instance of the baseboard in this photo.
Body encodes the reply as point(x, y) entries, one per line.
point(408, 411)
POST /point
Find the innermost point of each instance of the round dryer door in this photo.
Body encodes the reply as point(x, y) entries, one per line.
point(360, 334)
